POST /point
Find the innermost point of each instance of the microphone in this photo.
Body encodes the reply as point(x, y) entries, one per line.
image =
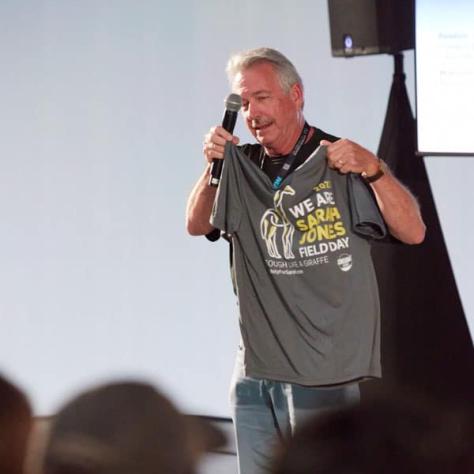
point(232, 106)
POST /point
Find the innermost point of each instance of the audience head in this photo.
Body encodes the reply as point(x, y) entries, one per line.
point(381, 436)
point(15, 427)
point(125, 427)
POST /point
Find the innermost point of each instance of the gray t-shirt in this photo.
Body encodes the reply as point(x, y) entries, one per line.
point(306, 286)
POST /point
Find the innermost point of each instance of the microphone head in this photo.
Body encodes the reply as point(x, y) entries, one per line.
point(233, 102)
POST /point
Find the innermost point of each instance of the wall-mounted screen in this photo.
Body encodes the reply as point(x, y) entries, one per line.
point(445, 76)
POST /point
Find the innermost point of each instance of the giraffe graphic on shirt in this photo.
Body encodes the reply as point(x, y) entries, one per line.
point(275, 219)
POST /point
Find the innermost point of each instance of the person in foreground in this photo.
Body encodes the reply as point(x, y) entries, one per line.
point(16, 422)
point(299, 208)
point(125, 427)
point(386, 435)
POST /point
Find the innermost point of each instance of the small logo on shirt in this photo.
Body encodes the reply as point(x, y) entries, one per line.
point(345, 262)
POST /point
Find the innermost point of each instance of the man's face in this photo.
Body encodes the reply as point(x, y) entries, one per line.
point(272, 115)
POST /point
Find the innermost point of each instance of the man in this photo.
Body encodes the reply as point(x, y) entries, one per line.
point(309, 311)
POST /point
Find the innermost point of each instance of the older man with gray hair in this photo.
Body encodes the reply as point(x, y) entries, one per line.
point(299, 208)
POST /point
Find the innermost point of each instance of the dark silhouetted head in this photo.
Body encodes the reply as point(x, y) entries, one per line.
point(124, 427)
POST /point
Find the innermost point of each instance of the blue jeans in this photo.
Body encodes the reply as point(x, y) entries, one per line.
point(266, 411)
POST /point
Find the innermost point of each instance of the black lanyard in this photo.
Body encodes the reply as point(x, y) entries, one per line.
point(285, 168)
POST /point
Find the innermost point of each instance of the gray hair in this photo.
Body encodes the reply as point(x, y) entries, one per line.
point(287, 73)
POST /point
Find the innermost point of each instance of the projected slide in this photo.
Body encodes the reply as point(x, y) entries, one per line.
point(445, 76)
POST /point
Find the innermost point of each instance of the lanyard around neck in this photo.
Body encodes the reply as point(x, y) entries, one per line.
point(285, 168)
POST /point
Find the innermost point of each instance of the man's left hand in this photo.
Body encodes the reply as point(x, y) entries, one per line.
point(349, 157)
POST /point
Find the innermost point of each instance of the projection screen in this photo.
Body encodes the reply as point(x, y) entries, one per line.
point(445, 76)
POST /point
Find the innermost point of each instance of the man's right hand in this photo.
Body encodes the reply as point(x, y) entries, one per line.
point(214, 142)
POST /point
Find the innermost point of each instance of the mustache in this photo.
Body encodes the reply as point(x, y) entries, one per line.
point(260, 122)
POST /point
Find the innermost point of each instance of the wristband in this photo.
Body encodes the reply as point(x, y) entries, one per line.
point(374, 177)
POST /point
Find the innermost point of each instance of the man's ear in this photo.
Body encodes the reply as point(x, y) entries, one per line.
point(296, 94)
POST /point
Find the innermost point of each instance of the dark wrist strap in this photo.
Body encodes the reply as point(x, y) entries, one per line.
point(376, 176)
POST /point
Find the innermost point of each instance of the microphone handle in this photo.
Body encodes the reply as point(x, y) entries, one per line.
point(228, 124)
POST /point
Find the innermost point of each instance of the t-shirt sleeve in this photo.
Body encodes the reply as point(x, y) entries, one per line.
point(365, 213)
point(227, 209)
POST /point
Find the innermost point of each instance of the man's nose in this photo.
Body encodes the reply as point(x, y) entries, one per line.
point(253, 110)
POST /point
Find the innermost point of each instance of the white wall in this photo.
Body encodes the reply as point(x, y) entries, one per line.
point(103, 107)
